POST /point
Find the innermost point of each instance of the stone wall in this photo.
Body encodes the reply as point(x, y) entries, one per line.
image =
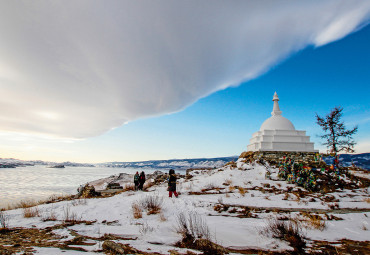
point(274, 157)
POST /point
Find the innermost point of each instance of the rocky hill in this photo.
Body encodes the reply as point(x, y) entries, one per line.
point(245, 207)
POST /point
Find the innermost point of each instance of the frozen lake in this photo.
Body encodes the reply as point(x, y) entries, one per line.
point(40, 182)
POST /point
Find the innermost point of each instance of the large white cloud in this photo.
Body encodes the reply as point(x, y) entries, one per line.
point(79, 68)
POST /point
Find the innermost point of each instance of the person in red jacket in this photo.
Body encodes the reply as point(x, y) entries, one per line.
point(172, 183)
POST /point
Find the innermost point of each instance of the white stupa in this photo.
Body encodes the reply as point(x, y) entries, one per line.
point(277, 133)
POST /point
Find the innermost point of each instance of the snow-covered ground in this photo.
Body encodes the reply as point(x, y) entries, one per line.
point(235, 203)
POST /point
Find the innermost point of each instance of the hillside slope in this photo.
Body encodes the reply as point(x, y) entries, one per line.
point(235, 206)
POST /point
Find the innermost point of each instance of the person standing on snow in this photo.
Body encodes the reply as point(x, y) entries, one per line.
point(136, 181)
point(141, 180)
point(172, 183)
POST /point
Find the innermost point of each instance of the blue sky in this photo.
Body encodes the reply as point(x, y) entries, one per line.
point(142, 80)
point(314, 80)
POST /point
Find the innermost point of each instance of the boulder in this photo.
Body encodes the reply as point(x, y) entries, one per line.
point(114, 185)
point(112, 247)
point(88, 191)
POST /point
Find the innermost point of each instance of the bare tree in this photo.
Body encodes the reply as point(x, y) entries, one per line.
point(337, 137)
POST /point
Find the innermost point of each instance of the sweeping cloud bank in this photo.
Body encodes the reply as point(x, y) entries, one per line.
point(80, 68)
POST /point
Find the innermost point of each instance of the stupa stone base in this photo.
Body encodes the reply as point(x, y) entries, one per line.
point(307, 158)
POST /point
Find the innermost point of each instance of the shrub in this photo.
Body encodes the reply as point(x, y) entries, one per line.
point(333, 206)
point(56, 198)
point(195, 235)
point(192, 227)
point(79, 202)
point(148, 184)
point(221, 207)
point(137, 211)
point(30, 212)
point(4, 220)
point(232, 164)
point(288, 230)
point(242, 191)
point(190, 187)
point(69, 216)
point(49, 217)
point(145, 228)
point(209, 186)
point(153, 204)
point(227, 182)
point(162, 217)
point(286, 197)
point(129, 187)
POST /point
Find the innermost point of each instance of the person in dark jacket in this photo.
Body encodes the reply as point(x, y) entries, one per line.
point(136, 180)
point(172, 183)
point(141, 180)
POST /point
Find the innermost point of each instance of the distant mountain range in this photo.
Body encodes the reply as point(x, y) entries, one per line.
point(12, 163)
point(360, 160)
point(175, 163)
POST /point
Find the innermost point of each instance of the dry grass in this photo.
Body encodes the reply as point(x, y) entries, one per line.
point(137, 211)
point(33, 203)
point(152, 204)
point(231, 188)
point(367, 200)
point(26, 204)
point(314, 221)
point(288, 230)
point(30, 212)
point(242, 191)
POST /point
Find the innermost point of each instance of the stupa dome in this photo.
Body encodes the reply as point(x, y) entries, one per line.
point(277, 122)
point(277, 133)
